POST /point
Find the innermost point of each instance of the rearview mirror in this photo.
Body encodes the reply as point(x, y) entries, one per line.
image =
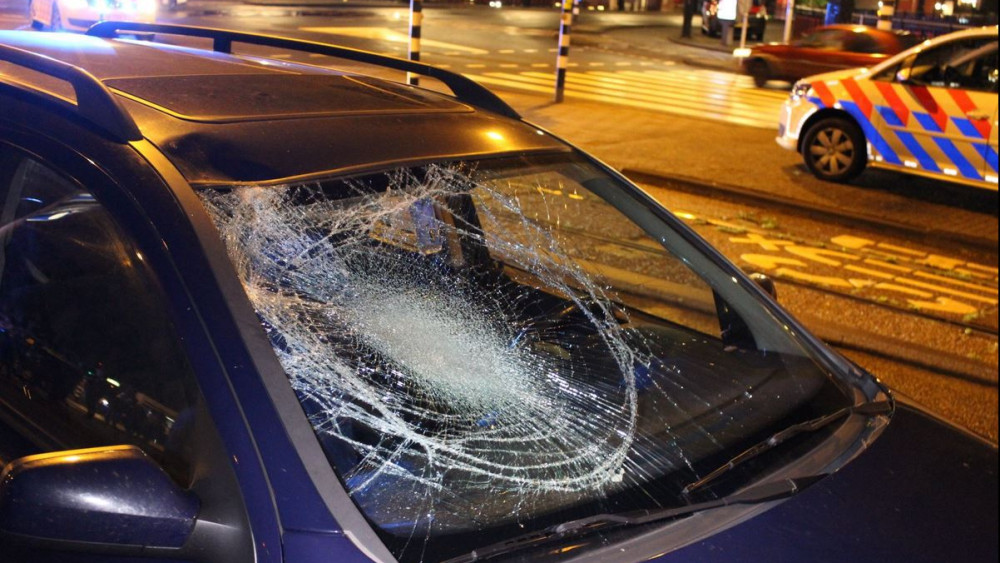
point(114, 497)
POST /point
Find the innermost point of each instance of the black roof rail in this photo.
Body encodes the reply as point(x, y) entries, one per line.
point(465, 89)
point(94, 102)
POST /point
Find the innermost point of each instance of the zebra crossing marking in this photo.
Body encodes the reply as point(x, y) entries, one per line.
point(695, 93)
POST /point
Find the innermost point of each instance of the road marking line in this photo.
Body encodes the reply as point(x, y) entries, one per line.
point(820, 255)
point(982, 268)
point(852, 242)
point(386, 34)
point(668, 100)
point(939, 289)
point(867, 272)
point(813, 278)
point(953, 281)
point(906, 290)
point(944, 305)
point(475, 65)
point(764, 242)
point(942, 262)
point(535, 82)
point(506, 51)
point(977, 275)
point(900, 249)
point(540, 65)
point(769, 262)
point(882, 264)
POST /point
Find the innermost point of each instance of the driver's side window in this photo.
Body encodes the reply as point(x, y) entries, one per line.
point(88, 354)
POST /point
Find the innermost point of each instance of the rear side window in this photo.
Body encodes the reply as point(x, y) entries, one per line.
point(824, 39)
point(969, 64)
point(88, 356)
point(861, 43)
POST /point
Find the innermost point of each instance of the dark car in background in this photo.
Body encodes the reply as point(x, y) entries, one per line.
point(257, 310)
point(756, 20)
point(824, 49)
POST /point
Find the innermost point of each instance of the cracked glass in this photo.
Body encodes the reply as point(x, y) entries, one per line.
point(485, 348)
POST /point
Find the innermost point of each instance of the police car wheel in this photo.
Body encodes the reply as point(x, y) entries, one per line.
point(834, 149)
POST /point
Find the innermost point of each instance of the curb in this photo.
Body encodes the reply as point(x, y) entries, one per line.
point(698, 186)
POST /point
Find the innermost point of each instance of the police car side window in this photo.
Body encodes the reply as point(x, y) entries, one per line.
point(88, 355)
point(968, 64)
point(894, 72)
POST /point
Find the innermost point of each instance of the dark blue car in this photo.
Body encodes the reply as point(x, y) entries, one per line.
point(260, 310)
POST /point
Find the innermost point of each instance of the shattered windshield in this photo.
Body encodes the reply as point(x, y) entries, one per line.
point(486, 348)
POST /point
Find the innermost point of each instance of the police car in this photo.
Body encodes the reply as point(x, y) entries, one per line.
point(930, 110)
point(78, 15)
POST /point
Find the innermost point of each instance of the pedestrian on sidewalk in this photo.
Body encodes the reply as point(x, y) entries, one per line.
point(726, 14)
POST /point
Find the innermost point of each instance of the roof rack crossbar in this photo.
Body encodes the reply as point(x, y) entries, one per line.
point(94, 102)
point(463, 88)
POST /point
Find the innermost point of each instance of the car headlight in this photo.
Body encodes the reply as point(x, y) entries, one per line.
point(800, 90)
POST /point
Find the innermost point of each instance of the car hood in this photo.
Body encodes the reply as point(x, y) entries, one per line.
point(924, 491)
point(837, 75)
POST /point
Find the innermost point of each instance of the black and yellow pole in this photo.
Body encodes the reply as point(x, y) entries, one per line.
point(886, 10)
point(416, 18)
point(565, 25)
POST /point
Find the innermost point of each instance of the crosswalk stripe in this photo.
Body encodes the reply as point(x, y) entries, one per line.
point(693, 100)
point(734, 97)
point(689, 93)
point(743, 85)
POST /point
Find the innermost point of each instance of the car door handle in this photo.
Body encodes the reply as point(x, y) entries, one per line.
point(977, 115)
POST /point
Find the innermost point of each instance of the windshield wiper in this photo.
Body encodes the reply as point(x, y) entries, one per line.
point(867, 409)
point(765, 492)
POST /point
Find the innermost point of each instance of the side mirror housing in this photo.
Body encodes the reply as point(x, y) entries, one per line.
point(115, 497)
point(766, 283)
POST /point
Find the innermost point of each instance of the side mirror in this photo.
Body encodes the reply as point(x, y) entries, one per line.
point(113, 497)
point(766, 283)
point(734, 330)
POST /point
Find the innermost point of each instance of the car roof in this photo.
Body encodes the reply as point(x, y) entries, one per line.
point(224, 118)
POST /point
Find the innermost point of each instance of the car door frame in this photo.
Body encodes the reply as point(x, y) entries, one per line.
point(73, 150)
